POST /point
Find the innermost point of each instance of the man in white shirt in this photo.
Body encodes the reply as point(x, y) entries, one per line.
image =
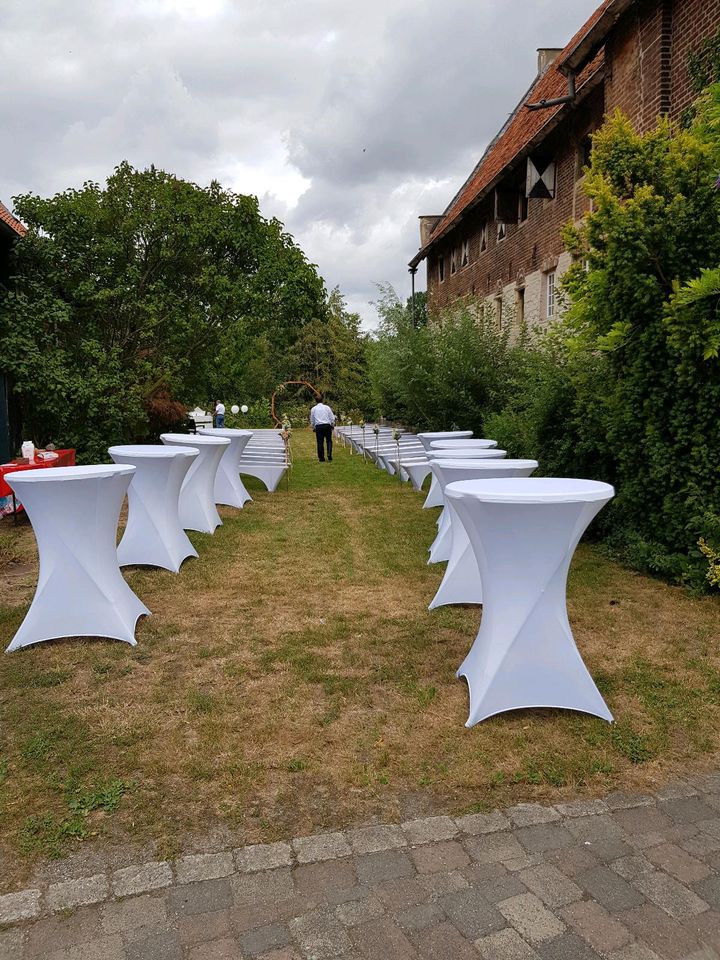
point(322, 420)
point(220, 414)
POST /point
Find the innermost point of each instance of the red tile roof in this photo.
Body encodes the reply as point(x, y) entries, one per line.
point(525, 128)
point(12, 221)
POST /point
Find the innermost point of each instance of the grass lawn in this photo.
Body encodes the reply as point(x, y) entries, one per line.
point(292, 680)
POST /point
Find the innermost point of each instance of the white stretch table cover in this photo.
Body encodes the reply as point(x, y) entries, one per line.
point(461, 444)
point(427, 438)
point(417, 470)
point(197, 495)
point(524, 533)
point(435, 496)
point(268, 472)
point(74, 512)
point(153, 534)
point(229, 488)
point(461, 583)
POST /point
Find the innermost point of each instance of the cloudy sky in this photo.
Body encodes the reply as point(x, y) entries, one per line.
point(348, 120)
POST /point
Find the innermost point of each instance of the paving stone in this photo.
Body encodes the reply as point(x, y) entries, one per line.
point(643, 841)
point(353, 912)
point(567, 947)
point(711, 827)
point(429, 829)
point(164, 946)
point(544, 837)
point(327, 879)
point(660, 932)
point(319, 935)
point(404, 892)
point(689, 810)
point(207, 896)
point(323, 846)
point(440, 884)
point(375, 839)
point(609, 889)
point(628, 801)
point(642, 820)
point(381, 940)
point(57, 933)
point(77, 893)
point(494, 881)
point(531, 919)
point(631, 867)
point(272, 936)
point(471, 913)
point(271, 885)
point(23, 905)
point(530, 814)
point(709, 891)
point(706, 928)
point(476, 824)
point(420, 916)
point(11, 944)
point(493, 848)
point(634, 951)
point(106, 948)
point(702, 845)
point(677, 862)
point(263, 856)
point(552, 887)
point(573, 860)
point(286, 953)
point(670, 895)
point(595, 828)
point(679, 790)
point(595, 925)
point(124, 915)
point(141, 878)
point(440, 857)
point(224, 949)
point(204, 926)
point(385, 865)
point(442, 943)
point(582, 808)
point(506, 944)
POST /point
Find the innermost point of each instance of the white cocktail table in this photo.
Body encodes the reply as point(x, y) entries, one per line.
point(197, 494)
point(74, 513)
point(524, 533)
point(154, 535)
point(461, 583)
point(462, 444)
point(229, 488)
point(435, 497)
point(427, 438)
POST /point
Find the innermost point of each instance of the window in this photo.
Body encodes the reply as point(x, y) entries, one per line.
point(441, 269)
point(499, 312)
point(501, 231)
point(520, 306)
point(550, 294)
point(483, 237)
point(465, 253)
point(523, 207)
point(453, 261)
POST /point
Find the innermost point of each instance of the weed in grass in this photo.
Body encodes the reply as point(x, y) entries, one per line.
point(297, 765)
point(201, 702)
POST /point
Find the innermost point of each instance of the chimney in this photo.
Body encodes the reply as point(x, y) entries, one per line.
point(427, 225)
point(546, 57)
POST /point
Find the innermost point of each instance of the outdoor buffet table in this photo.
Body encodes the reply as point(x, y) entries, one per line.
point(8, 505)
point(523, 532)
point(197, 494)
point(74, 512)
point(153, 534)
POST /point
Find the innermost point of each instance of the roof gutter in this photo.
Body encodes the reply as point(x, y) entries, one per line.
point(557, 101)
point(586, 47)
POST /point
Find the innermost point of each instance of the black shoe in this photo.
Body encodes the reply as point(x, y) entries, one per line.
point(321, 461)
point(329, 459)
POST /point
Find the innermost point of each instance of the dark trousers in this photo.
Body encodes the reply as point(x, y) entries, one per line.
point(323, 434)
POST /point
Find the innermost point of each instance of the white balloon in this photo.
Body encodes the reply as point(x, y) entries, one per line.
point(235, 408)
point(244, 408)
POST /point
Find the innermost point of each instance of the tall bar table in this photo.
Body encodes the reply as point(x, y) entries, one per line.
point(74, 513)
point(197, 494)
point(153, 534)
point(461, 583)
point(440, 550)
point(524, 532)
point(427, 438)
point(229, 488)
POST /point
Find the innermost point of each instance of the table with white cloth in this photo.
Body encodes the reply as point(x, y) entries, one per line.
point(197, 494)
point(74, 512)
point(523, 532)
point(435, 495)
point(463, 444)
point(461, 583)
point(229, 488)
point(427, 438)
point(153, 534)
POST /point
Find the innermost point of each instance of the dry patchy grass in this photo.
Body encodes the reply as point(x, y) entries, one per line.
point(293, 680)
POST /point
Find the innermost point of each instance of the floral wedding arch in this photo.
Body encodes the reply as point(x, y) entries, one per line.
point(281, 388)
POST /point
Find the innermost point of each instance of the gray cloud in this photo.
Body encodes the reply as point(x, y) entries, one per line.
point(348, 121)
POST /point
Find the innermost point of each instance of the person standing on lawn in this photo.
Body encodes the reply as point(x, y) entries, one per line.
point(322, 420)
point(220, 414)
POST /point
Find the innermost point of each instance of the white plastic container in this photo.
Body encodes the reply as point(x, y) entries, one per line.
point(28, 450)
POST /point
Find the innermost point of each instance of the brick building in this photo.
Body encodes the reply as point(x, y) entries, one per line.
point(499, 237)
point(10, 230)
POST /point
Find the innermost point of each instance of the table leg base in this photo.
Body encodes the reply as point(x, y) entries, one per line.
point(121, 631)
point(173, 564)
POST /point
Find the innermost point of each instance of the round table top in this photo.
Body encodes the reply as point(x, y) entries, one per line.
point(484, 465)
point(446, 434)
point(475, 453)
point(193, 439)
point(57, 474)
point(462, 443)
point(151, 450)
point(532, 490)
point(225, 432)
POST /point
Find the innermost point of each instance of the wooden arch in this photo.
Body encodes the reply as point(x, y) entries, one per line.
point(281, 386)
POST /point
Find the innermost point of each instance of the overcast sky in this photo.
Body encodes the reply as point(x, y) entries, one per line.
point(348, 120)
